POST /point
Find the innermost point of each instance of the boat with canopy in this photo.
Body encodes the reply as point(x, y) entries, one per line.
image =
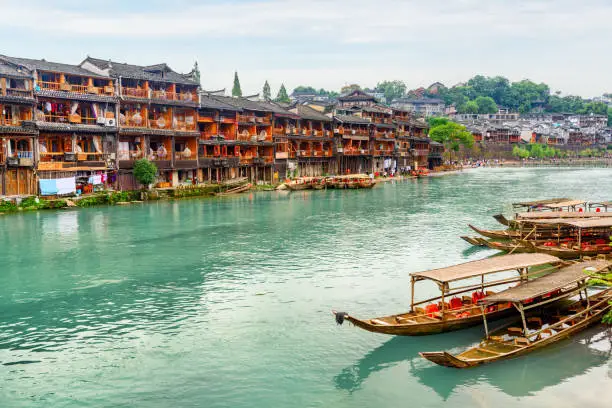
point(457, 307)
point(524, 216)
point(545, 326)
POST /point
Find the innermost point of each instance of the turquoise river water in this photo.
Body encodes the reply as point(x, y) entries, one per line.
point(226, 302)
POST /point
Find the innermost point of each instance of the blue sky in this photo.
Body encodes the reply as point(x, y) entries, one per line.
point(327, 44)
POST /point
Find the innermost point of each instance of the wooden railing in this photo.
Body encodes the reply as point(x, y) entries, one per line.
point(69, 120)
point(54, 86)
point(355, 152)
point(130, 154)
point(82, 89)
point(134, 92)
point(10, 122)
point(384, 135)
point(246, 119)
point(185, 156)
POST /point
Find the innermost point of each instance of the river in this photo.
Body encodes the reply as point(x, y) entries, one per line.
point(226, 302)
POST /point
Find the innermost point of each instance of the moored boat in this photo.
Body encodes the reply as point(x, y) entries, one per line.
point(454, 309)
point(549, 326)
point(496, 234)
point(298, 184)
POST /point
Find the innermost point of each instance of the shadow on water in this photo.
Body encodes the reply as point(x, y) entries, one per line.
point(399, 349)
point(516, 377)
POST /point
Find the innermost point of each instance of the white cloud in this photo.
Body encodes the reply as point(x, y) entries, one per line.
point(418, 41)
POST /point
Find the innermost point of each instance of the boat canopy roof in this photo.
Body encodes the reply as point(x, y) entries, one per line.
point(568, 203)
point(601, 203)
point(540, 202)
point(576, 223)
point(486, 266)
point(561, 214)
point(548, 283)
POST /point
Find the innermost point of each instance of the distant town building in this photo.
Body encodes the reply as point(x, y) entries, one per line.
point(423, 106)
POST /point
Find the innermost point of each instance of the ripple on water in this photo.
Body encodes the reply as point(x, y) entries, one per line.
point(226, 303)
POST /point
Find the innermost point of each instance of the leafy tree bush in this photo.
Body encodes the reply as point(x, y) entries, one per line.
point(145, 172)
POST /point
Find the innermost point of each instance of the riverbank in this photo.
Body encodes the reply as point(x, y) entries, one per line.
point(574, 162)
point(36, 203)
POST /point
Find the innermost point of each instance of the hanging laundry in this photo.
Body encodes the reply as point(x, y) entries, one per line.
point(48, 187)
point(66, 185)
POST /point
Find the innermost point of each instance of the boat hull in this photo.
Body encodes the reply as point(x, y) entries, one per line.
point(495, 234)
point(297, 187)
point(448, 360)
point(424, 329)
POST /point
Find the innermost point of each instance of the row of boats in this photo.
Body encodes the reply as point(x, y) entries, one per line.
point(352, 181)
point(548, 296)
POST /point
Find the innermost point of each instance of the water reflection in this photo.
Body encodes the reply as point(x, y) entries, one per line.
point(397, 350)
point(518, 377)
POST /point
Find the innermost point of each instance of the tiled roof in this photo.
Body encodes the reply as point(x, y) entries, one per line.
point(208, 102)
point(278, 110)
point(17, 130)
point(356, 96)
point(10, 69)
point(17, 99)
point(69, 127)
point(45, 93)
point(306, 112)
point(242, 103)
point(376, 109)
point(162, 132)
point(352, 119)
point(43, 65)
point(147, 73)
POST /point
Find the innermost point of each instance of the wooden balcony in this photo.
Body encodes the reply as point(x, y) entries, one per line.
point(139, 93)
point(70, 119)
point(81, 89)
point(20, 158)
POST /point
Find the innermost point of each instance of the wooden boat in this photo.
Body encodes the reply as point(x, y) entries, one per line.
point(517, 247)
point(298, 184)
point(551, 204)
point(587, 237)
point(537, 331)
point(352, 181)
point(502, 220)
point(235, 190)
point(448, 311)
point(496, 234)
point(472, 240)
point(369, 183)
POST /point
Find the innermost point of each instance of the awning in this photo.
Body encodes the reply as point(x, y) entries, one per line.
point(486, 266)
point(569, 203)
point(562, 214)
point(548, 283)
point(540, 202)
point(576, 223)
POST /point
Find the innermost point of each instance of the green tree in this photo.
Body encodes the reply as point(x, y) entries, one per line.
point(452, 135)
point(392, 89)
point(145, 172)
point(434, 121)
point(282, 95)
point(236, 91)
point(470, 107)
point(596, 108)
point(536, 151)
point(486, 104)
point(349, 88)
point(266, 91)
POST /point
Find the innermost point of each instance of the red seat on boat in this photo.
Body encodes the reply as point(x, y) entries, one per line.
point(456, 303)
point(580, 210)
point(600, 241)
point(598, 210)
point(476, 296)
point(431, 310)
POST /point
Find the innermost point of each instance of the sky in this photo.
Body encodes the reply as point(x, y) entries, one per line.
point(328, 43)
